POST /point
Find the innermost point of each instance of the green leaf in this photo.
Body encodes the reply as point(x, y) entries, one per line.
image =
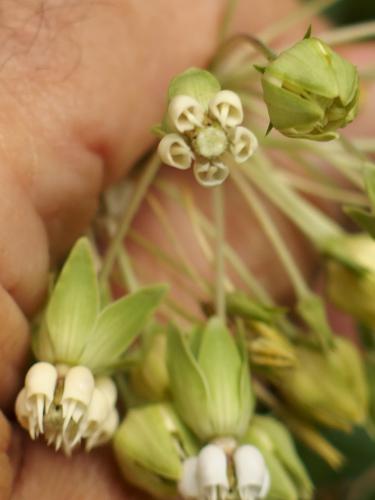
point(363, 218)
point(188, 385)
point(312, 311)
point(118, 325)
point(74, 304)
point(197, 83)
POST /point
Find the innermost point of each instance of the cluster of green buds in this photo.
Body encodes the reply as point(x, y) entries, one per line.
point(203, 128)
point(68, 394)
point(342, 400)
point(192, 445)
point(310, 91)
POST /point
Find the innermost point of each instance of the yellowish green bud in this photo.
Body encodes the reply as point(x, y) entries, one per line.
point(328, 387)
point(349, 290)
point(289, 479)
point(149, 379)
point(310, 91)
point(210, 381)
point(150, 447)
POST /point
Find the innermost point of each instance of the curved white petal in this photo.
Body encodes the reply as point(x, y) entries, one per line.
point(226, 107)
point(175, 152)
point(108, 388)
point(243, 144)
point(188, 485)
point(40, 384)
point(105, 431)
point(266, 485)
point(185, 113)
point(251, 472)
point(78, 389)
point(210, 174)
point(212, 470)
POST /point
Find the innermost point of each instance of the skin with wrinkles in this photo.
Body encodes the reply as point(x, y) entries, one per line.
point(81, 82)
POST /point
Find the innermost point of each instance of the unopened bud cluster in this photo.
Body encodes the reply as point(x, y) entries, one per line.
point(206, 133)
point(67, 405)
point(217, 474)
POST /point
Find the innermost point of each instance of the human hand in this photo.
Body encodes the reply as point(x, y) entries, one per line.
point(76, 115)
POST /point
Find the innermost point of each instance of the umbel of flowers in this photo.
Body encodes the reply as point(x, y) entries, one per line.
point(202, 128)
point(68, 394)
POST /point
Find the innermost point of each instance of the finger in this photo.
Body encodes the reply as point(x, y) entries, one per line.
point(6, 470)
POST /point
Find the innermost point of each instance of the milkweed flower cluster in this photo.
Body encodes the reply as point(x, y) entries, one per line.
point(68, 395)
point(203, 127)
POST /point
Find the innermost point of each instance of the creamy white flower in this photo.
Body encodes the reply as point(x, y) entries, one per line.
point(175, 152)
point(185, 113)
point(212, 472)
point(226, 107)
point(210, 174)
point(67, 405)
point(188, 485)
point(251, 473)
point(243, 144)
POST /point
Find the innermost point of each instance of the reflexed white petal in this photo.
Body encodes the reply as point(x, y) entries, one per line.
point(188, 485)
point(243, 144)
point(40, 383)
point(212, 469)
point(105, 432)
point(185, 113)
point(226, 107)
point(108, 388)
point(266, 485)
point(175, 152)
point(210, 174)
point(78, 389)
point(251, 472)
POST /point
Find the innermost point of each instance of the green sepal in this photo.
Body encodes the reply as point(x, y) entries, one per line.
point(308, 33)
point(240, 304)
point(73, 305)
point(118, 325)
point(159, 130)
point(335, 250)
point(362, 217)
point(188, 384)
point(194, 82)
point(269, 129)
point(227, 376)
point(311, 309)
point(260, 69)
point(369, 178)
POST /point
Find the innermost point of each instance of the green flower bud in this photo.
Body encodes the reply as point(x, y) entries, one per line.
point(310, 91)
point(340, 399)
point(210, 381)
point(150, 446)
point(289, 478)
point(350, 290)
point(149, 379)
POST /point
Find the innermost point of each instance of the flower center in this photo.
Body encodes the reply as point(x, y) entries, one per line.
point(210, 142)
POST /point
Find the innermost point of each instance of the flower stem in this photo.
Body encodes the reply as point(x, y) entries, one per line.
point(272, 233)
point(218, 206)
point(312, 222)
point(147, 177)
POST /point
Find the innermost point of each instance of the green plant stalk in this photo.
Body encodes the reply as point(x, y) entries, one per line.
point(218, 205)
point(272, 233)
point(140, 191)
point(312, 222)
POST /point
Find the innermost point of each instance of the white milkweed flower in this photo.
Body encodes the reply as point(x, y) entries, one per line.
point(68, 395)
point(206, 476)
point(203, 128)
point(66, 405)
